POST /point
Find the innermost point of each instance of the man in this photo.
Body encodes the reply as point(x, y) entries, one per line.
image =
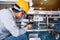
point(21, 37)
point(7, 20)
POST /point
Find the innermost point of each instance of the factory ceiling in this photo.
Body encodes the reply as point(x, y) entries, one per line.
point(50, 5)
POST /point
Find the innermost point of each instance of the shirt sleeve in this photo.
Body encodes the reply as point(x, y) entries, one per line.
point(10, 25)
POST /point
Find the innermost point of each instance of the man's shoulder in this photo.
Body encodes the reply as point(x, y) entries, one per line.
point(4, 10)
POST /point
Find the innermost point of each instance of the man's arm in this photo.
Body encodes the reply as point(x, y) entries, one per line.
point(10, 25)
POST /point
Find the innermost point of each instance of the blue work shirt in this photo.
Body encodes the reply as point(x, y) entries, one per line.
point(8, 25)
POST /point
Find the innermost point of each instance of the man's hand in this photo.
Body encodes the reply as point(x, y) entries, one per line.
point(29, 26)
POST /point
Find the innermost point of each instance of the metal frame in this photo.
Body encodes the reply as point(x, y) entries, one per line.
point(44, 12)
point(7, 1)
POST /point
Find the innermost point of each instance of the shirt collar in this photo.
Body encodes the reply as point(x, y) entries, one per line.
point(12, 12)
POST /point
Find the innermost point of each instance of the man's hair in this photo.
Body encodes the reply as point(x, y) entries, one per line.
point(15, 9)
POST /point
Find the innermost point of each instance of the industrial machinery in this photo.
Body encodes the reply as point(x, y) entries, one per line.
point(45, 18)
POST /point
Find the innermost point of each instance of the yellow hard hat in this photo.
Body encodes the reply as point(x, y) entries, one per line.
point(23, 4)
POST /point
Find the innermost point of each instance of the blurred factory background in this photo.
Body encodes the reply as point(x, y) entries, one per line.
point(44, 16)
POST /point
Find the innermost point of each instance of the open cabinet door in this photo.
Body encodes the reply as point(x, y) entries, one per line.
point(8, 1)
